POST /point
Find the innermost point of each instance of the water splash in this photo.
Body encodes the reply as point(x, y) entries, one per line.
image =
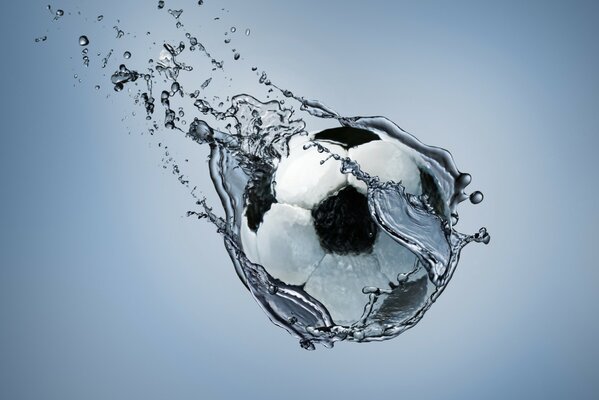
point(409, 219)
point(247, 140)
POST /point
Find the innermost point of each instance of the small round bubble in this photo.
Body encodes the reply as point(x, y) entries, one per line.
point(83, 40)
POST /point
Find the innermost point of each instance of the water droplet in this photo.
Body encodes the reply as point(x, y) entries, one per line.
point(83, 40)
point(227, 40)
point(206, 83)
point(97, 87)
point(236, 56)
point(247, 32)
point(175, 13)
point(455, 218)
point(41, 39)
point(482, 236)
point(476, 197)
point(127, 54)
point(59, 13)
point(118, 87)
point(100, 17)
point(464, 179)
point(161, 4)
point(75, 76)
point(307, 344)
point(233, 29)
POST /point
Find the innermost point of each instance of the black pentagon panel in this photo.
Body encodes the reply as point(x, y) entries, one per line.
point(430, 188)
point(347, 137)
point(259, 196)
point(343, 223)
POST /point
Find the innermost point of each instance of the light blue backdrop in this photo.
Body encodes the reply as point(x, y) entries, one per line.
point(108, 292)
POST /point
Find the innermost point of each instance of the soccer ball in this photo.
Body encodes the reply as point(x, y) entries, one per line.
point(308, 224)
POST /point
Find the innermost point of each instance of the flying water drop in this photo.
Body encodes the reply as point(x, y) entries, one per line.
point(175, 13)
point(476, 197)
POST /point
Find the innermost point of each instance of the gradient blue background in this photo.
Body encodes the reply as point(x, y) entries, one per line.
point(108, 292)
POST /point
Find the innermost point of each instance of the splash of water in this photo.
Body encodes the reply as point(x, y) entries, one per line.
point(249, 139)
point(409, 219)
